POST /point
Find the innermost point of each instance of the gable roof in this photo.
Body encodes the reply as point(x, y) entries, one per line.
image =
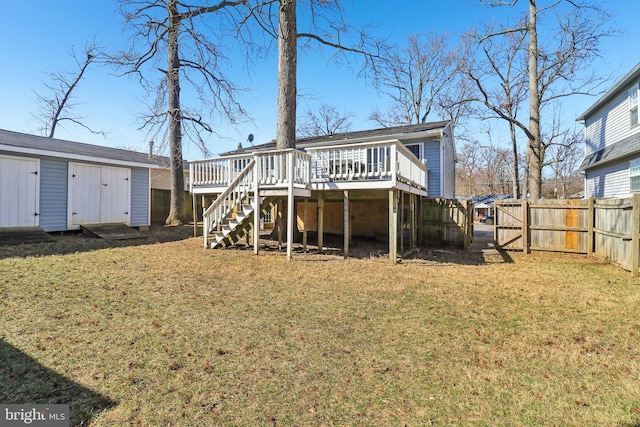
point(396, 132)
point(611, 93)
point(17, 142)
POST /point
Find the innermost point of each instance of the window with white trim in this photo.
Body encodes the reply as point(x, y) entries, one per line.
point(416, 149)
point(633, 107)
point(634, 175)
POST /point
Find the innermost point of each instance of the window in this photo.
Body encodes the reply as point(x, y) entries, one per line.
point(416, 149)
point(634, 174)
point(633, 106)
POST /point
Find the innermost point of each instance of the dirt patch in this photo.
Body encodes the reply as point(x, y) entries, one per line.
point(76, 241)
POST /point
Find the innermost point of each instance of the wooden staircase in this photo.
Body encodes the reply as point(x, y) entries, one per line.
point(238, 223)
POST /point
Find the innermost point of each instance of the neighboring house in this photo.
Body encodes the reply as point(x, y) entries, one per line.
point(368, 182)
point(612, 141)
point(59, 185)
point(483, 206)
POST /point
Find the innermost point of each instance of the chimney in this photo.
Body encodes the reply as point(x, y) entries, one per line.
point(150, 149)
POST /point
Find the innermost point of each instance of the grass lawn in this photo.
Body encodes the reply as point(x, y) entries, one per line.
point(171, 334)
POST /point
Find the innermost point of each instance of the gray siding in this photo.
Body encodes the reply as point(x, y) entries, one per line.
point(609, 181)
point(432, 154)
point(610, 124)
point(139, 197)
point(449, 162)
point(53, 194)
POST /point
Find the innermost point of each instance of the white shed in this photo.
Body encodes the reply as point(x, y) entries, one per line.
point(59, 185)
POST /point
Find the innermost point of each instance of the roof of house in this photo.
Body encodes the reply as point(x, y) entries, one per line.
point(611, 93)
point(396, 132)
point(52, 147)
point(626, 147)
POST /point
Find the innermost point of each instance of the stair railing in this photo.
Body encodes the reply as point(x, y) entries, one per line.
point(231, 197)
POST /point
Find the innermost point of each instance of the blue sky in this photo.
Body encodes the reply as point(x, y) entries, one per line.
point(38, 36)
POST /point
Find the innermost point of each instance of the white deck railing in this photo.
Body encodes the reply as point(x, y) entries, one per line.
point(383, 161)
point(272, 168)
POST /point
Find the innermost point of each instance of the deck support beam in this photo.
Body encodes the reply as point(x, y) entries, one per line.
point(291, 201)
point(256, 214)
point(347, 227)
point(393, 226)
point(305, 206)
point(412, 213)
point(320, 222)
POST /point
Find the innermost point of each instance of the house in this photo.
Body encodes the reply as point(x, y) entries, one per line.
point(368, 183)
point(612, 141)
point(59, 185)
point(483, 206)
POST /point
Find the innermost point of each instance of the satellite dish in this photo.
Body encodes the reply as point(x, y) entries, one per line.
point(250, 139)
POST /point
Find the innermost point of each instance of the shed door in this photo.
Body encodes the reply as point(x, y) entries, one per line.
point(19, 192)
point(98, 194)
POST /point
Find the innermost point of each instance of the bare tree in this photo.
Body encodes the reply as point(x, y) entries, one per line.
point(58, 105)
point(499, 75)
point(558, 66)
point(326, 28)
point(326, 121)
point(412, 78)
point(193, 41)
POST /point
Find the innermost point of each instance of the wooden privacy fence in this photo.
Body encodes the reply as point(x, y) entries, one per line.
point(607, 228)
point(446, 222)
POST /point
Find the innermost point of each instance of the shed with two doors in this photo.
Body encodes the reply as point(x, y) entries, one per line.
point(59, 185)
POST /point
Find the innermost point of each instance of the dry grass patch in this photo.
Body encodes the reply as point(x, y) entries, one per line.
point(170, 334)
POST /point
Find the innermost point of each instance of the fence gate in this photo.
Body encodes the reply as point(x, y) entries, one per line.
point(509, 220)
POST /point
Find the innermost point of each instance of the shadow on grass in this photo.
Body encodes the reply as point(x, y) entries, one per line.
point(23, 380)
point(72, 242)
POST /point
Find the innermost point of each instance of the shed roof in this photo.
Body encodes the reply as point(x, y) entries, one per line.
point(397, 132)
point(611, 93)
point(38, 145)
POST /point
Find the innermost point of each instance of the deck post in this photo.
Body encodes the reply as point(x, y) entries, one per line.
point(402, 220)
point(320, 222)
point(412, 213)
point(346, 224)
point(256, 208)
point(290, 202)
point(304, 225)
point(279, 220)
point(195, 214)
point(393, 226)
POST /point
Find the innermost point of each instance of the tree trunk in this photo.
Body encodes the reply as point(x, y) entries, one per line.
point(535, 141)
point(514, 155)
point(287, 82)
point(176, 209)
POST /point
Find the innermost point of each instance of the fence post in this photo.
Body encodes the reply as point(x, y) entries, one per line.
point(525, 226)
point(591, 216)
point(635, 235)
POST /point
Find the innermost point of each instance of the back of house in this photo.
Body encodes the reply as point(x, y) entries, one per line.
point(612, 141)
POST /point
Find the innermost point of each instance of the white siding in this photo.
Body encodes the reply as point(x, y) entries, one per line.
point(609, 181)
point(611, 124)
